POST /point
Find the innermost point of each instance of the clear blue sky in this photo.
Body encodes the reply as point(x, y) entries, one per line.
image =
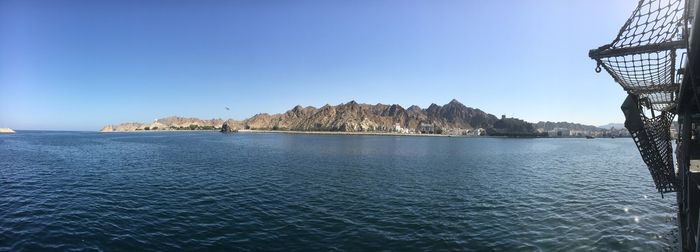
point(78, 65)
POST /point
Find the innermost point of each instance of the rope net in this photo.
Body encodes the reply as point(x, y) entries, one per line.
point(649, 75)
point(654, 144)
point(652, 22)
point(642, 59)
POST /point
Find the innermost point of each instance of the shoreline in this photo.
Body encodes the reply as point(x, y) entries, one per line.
point(293, 132)
point(156, 131)
point(346, 133)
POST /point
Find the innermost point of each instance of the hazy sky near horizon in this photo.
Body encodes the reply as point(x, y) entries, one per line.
point(78, 65)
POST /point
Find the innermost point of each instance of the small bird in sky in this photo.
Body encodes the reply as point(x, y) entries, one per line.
point(227, 108)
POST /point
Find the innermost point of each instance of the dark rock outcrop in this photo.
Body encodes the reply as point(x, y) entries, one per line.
point(229, 126)
point(512, 127)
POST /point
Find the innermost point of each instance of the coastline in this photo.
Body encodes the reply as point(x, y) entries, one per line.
point(293, 132)
point(156, 131)
point(340, 133)
point(346, 133)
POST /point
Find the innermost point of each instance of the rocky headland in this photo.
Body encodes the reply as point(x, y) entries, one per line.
point(6, 131)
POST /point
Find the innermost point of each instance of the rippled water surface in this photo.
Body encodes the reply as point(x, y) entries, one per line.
point(211, 191)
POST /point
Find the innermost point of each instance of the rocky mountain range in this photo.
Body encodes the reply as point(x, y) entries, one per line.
point(356, 117)
point(453, 117)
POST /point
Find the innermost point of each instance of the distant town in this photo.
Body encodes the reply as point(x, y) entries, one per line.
point(564, 132)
